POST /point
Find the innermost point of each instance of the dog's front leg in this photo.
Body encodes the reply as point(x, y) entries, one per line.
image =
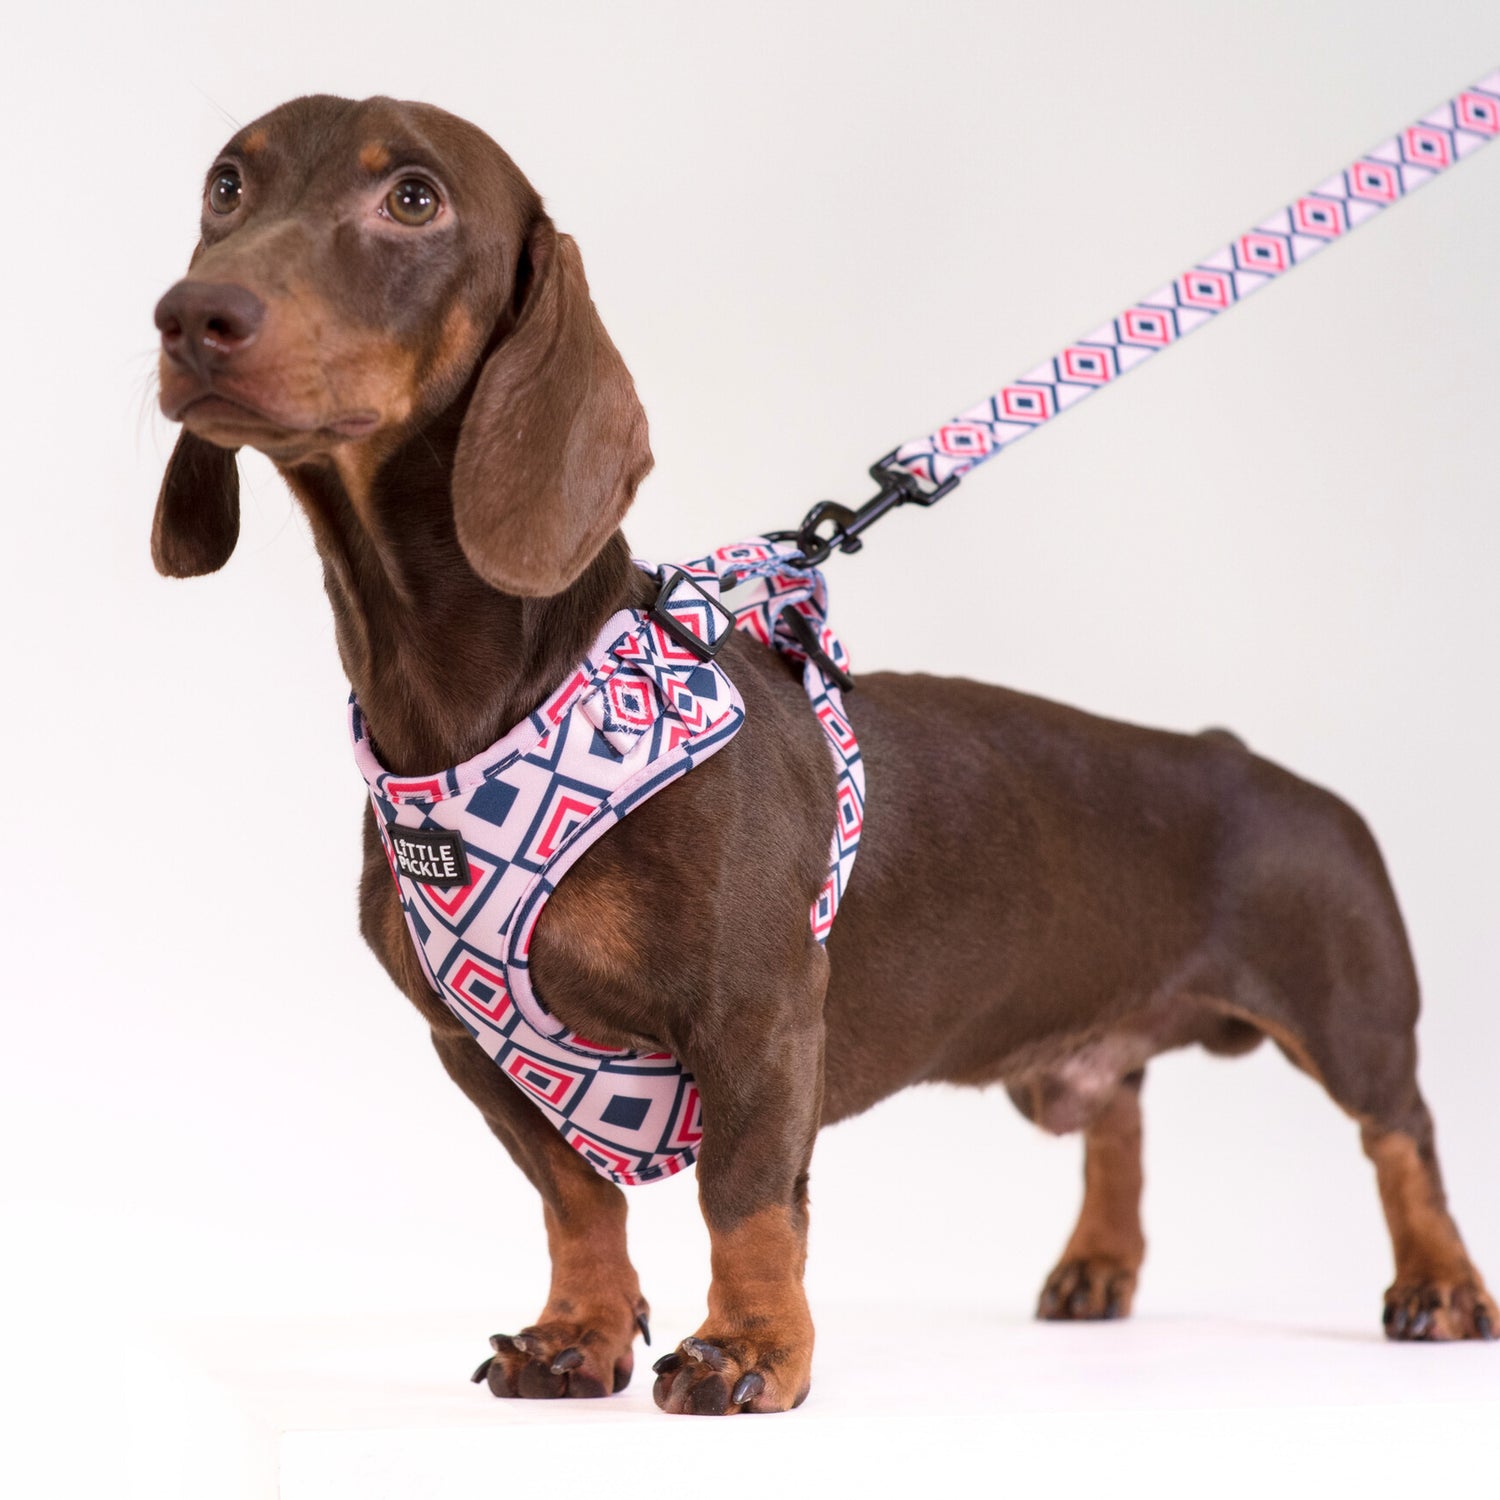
point(581, 1345)
point(761, 1077)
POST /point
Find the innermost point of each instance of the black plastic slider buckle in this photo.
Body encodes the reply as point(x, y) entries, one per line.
point(701, 624)
point(801, 627)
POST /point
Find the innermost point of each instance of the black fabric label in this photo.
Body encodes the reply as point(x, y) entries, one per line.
point(432, 856)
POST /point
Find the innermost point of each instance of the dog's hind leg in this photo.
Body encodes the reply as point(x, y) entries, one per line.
point(1327, 973)
point(1095, 1278)
point(1437, 1293)
point(581, 1345)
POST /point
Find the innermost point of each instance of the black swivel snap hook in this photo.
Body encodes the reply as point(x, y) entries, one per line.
point(831, 527)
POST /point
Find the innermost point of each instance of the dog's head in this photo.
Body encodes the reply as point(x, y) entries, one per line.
point(365, 269)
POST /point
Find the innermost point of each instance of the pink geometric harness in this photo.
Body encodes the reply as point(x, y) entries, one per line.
point(477, 850)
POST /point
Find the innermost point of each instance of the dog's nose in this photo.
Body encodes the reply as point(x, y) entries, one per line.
point(204, 323)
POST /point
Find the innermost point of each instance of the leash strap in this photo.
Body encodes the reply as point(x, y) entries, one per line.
point(926, 467)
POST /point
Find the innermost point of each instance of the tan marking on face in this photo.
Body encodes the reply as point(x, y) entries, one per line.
point(348, 370)
point(311, 370)
point(254, 142)
point(374, 157)
point(377, 379)
point(358, 462)
point(457, 346)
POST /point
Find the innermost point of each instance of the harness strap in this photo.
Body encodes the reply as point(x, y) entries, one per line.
point(781, 602)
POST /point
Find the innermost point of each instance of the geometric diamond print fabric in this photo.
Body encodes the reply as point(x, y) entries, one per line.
point(766, 584)
point(1393, 170)
point(641, 710)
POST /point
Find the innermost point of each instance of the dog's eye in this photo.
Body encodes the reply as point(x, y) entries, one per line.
point(412, 202)
point(225, 191)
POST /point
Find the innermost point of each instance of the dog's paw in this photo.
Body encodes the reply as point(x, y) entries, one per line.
point(1087, 1288)
point(1434, 1312)
point(706, 1376)
point(563, 1359)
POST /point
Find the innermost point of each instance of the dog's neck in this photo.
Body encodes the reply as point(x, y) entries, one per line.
point(442, 663)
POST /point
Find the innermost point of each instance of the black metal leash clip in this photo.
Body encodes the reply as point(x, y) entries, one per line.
point(829, 527)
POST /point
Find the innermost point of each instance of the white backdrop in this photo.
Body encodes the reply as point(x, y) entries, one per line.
point(812, 231)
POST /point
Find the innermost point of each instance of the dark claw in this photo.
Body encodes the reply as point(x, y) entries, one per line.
point(569, 1359)
point(529, 1344)
point(644, 1325)
point(1050, 1303)
point(483, 1370)
point(748, 1387)
point(1482, 1325)
point(704, 1352)
point(1421, 1325)
point(1389, 1315)
point(1115, 1307)
point(667, 1363)
point(1397, 1325)
point(1078, 1303)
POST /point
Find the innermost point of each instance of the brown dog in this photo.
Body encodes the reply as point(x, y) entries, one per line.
point(1043, 899)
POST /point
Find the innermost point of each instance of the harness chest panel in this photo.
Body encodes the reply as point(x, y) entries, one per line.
point(476, 850)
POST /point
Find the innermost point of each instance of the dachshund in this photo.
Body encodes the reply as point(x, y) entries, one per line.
point(1044, 899)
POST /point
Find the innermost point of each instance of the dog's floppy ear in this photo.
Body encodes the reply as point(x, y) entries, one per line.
point(197, 518)
point(554, 441)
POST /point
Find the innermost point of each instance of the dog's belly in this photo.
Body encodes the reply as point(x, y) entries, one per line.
point(1043, 898)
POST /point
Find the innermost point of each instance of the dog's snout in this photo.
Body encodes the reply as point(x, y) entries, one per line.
point(203, 323)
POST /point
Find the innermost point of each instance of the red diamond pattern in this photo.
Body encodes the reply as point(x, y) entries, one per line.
point(1428, 146)
point(1323, 217)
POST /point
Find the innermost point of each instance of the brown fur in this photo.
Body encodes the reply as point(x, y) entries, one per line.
point(1096, 1276)
point(1043, 899)
point(758, 1323)
point(600, 907)
point(1437, 1293)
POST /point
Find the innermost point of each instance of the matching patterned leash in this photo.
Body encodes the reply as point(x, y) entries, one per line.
point(926, 468)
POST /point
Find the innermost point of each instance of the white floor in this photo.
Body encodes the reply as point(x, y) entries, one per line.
point(933, 1401)
point(261, 1341)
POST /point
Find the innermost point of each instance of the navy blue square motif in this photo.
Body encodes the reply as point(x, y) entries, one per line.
point(492, 802)
point(626, 1111)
